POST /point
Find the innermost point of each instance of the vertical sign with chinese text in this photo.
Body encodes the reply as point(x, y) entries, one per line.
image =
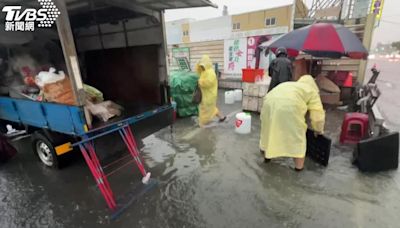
point(377, 8)
point(235, 52)
point(252, 44)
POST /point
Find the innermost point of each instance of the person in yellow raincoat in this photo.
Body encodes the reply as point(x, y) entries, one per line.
point(209, 89)
point(283, 119)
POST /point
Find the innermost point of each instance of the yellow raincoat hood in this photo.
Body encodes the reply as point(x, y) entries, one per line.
point(205, 62)
point(310, 81)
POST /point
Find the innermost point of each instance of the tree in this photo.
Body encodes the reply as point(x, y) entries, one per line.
point(396, 45)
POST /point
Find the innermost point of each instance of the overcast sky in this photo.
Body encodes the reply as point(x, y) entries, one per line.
point(388, 30)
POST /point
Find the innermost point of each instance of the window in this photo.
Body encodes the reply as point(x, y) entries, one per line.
point(273, 21)
point(185, 33)
point(270, 21)
point(236, 26)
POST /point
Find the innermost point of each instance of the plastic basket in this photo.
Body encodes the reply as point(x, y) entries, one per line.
point(250, 75)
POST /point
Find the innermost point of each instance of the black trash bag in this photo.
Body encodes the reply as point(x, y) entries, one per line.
point(197, 96)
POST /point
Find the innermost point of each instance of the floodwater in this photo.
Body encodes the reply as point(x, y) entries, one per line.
point(207, 178)
point(389, 83)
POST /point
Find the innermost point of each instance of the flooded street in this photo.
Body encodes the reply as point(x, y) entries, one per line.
point(389, 83)
point(206, 178)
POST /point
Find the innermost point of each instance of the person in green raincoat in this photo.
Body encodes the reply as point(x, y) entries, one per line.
point(208, 84)
point(283, 119)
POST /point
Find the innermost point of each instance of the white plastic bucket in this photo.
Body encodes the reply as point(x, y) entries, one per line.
point(238, 94)
point(229, 97)
point(243, 123)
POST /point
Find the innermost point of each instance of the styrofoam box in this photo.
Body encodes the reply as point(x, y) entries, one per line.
point(245, 101)
point(250, 103)
point(263, 89)
point(250, 89)
point(245, 88)
point(260, 103)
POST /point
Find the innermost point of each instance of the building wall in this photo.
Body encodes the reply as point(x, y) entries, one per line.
point(301, 9)
point(220, 28)
point(174, 31)
point(185, 33)
point(207, 37)
point(256, 20)
point(212, 29)
point(214, 49)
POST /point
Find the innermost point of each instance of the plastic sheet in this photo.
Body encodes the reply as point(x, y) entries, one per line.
point(183, 85)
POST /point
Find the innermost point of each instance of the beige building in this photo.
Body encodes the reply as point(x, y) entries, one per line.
point(208, 36)
point(268, 18)
point(211, 36)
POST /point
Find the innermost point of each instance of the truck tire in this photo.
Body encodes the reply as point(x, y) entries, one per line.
point(45, 151)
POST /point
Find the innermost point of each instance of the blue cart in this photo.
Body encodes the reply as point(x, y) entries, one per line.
point(56, 129)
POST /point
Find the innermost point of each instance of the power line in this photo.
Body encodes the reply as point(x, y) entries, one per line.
point(391, 15)
point(391, 22)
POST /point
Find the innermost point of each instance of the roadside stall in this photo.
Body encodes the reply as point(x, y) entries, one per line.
point(315, 44)
point(323, 41)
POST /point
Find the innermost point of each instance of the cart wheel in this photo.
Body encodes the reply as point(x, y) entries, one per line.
point(45, 151)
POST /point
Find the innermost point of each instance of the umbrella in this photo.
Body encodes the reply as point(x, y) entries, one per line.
point(267, 44)
point(322, 40)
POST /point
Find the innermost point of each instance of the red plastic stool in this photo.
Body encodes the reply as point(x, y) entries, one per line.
point(354, 128)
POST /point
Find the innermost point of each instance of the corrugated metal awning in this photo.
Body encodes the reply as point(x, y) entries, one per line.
point(155, 5)
point(173, 4)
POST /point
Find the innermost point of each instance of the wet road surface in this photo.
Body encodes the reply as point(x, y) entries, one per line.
point(207, 178)
point(389, 83)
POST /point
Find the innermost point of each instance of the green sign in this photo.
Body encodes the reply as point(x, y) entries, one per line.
point(181, 59)
point(181, 52)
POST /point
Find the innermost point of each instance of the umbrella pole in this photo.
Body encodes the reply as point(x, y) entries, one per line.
point(311, 62)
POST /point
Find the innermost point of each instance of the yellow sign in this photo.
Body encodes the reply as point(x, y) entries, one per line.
point(377, 8)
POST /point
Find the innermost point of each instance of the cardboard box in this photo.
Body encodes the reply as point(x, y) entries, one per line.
point(330, 98)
